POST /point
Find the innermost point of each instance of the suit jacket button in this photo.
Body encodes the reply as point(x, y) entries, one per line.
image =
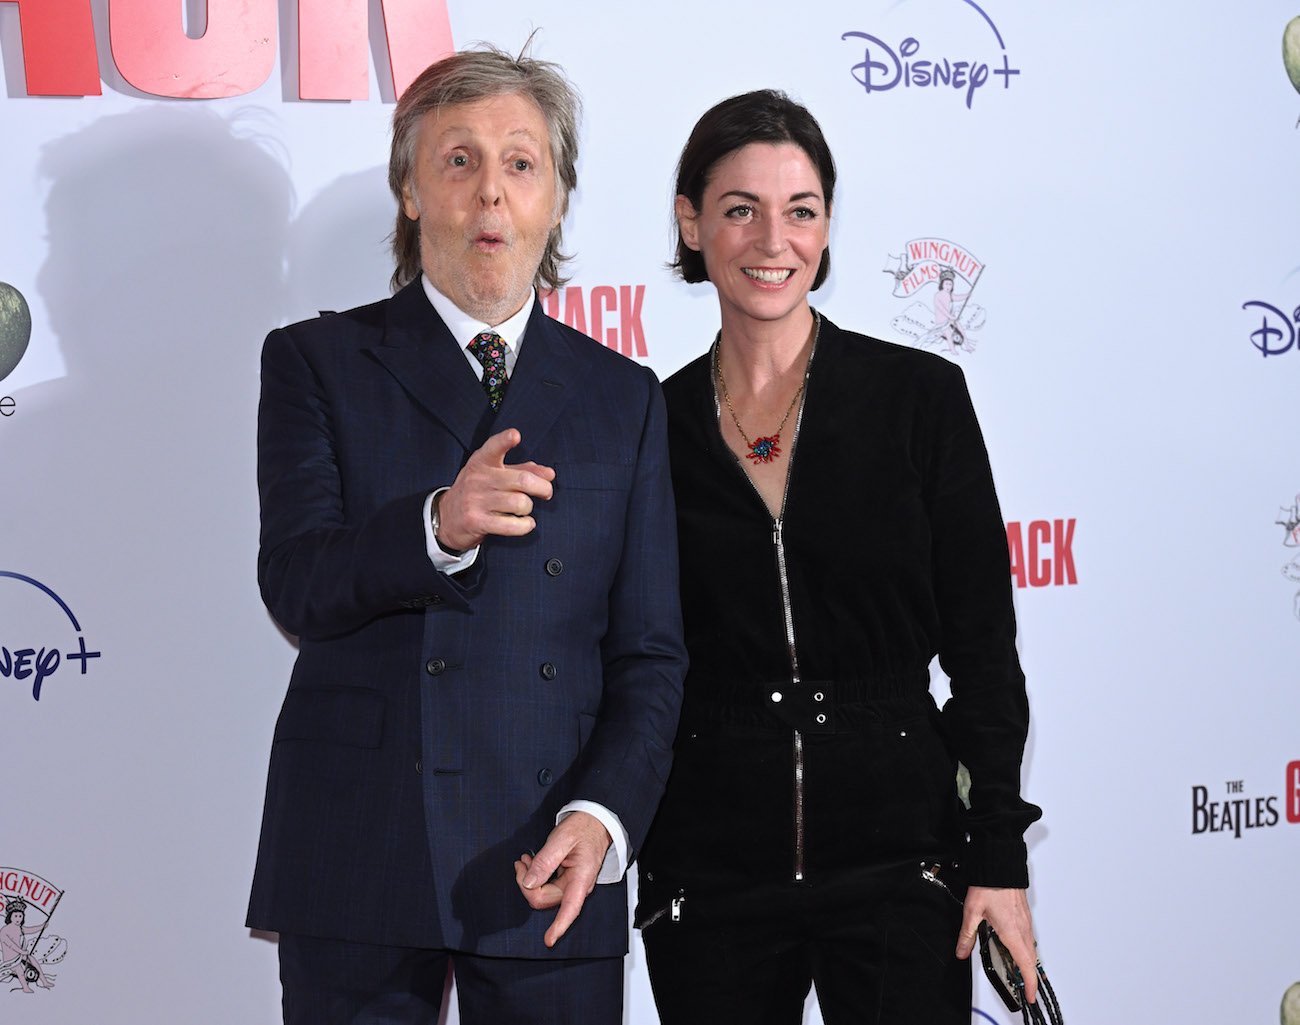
point(435, 666)
point(544, 777)
point(554, 567)
point(419, 767)
point(548, 670)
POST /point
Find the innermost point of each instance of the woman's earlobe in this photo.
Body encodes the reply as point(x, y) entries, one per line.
point(687, 216)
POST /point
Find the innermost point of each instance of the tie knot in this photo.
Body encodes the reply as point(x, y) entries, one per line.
point(489, 348)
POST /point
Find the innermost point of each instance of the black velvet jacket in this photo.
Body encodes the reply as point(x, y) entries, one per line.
point(895, 551)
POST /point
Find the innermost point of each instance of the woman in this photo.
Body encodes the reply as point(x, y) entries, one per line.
point(838, 527)
point(15, 959)
point(946, 324)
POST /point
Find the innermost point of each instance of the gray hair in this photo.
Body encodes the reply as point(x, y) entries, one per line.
point(475, 75)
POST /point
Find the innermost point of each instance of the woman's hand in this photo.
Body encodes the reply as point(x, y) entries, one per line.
point(1007, 911)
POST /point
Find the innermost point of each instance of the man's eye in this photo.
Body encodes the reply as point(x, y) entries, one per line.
point(459, 160)
point(523, 165)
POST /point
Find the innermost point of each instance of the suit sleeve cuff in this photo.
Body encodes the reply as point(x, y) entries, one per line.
point(615, 864)
point(442, 561)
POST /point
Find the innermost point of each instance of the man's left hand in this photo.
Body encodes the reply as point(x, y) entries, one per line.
point(564, 871)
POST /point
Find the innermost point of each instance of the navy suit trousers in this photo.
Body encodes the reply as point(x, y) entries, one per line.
point(336, 982)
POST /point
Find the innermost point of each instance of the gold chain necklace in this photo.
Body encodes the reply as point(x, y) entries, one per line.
point(767, 448)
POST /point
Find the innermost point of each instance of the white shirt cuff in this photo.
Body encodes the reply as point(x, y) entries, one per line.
point(442, 561)
point(615, 864)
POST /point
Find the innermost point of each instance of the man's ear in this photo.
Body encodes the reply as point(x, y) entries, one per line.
point(687, 222)
point(410, 203)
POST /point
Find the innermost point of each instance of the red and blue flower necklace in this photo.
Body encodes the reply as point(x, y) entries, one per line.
point(768, 447)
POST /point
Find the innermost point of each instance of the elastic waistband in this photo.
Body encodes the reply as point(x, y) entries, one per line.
point(814, 706)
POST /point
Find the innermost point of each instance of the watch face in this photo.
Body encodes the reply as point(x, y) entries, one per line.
point(435, 521)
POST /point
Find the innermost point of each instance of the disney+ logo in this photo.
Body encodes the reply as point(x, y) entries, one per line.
point(1276, 333)
point(884, 67)
point(23, 660)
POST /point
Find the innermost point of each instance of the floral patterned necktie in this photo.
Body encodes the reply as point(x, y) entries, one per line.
point(489, 348)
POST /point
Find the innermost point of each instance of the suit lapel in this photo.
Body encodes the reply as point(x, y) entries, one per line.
point(547, 376)
point(420, 352)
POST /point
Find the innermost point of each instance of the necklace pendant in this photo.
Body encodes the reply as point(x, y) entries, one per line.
point(764, 450)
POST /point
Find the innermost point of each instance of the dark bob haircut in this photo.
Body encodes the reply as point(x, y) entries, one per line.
point(764, 115)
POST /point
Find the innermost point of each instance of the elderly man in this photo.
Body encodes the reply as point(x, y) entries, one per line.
point(468, 522)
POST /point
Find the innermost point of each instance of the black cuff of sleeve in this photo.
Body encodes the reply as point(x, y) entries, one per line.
point(997, 861)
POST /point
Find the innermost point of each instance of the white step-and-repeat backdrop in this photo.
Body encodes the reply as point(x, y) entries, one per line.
point(1115, 185)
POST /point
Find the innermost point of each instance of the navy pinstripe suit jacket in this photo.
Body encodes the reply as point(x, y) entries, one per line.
point(434, 724)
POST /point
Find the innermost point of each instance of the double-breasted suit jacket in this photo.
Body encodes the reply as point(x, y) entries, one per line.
point(434, 724)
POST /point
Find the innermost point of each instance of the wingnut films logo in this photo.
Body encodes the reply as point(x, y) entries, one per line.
point(942, 317)
point(907, 64)
point(1236, 811)
point(1290, 522)
point(28, 950)
point(15, 333)
point(39, 635)
point(1272, 332)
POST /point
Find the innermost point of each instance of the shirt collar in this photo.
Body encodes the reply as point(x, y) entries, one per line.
point(464, 327)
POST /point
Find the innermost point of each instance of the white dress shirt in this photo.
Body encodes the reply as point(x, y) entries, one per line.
point(465, 329)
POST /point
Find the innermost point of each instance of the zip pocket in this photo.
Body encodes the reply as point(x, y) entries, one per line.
point(673, 909)
point(930, 872)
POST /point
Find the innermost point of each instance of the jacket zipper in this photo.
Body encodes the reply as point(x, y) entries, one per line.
point(778, 542)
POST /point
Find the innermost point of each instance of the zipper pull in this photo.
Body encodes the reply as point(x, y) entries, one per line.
point(776, 531)
point(677, 903)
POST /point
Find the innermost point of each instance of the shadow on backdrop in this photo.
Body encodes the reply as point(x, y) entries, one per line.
point(167, 228)
point(338, 252)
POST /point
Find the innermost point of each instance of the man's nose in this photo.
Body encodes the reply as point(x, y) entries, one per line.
point(490, 184)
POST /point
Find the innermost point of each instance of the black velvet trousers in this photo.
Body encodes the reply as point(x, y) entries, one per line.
point(878, 944)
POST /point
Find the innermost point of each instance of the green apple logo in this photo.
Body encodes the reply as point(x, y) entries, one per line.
point(1291, 51)
point(15, 328)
